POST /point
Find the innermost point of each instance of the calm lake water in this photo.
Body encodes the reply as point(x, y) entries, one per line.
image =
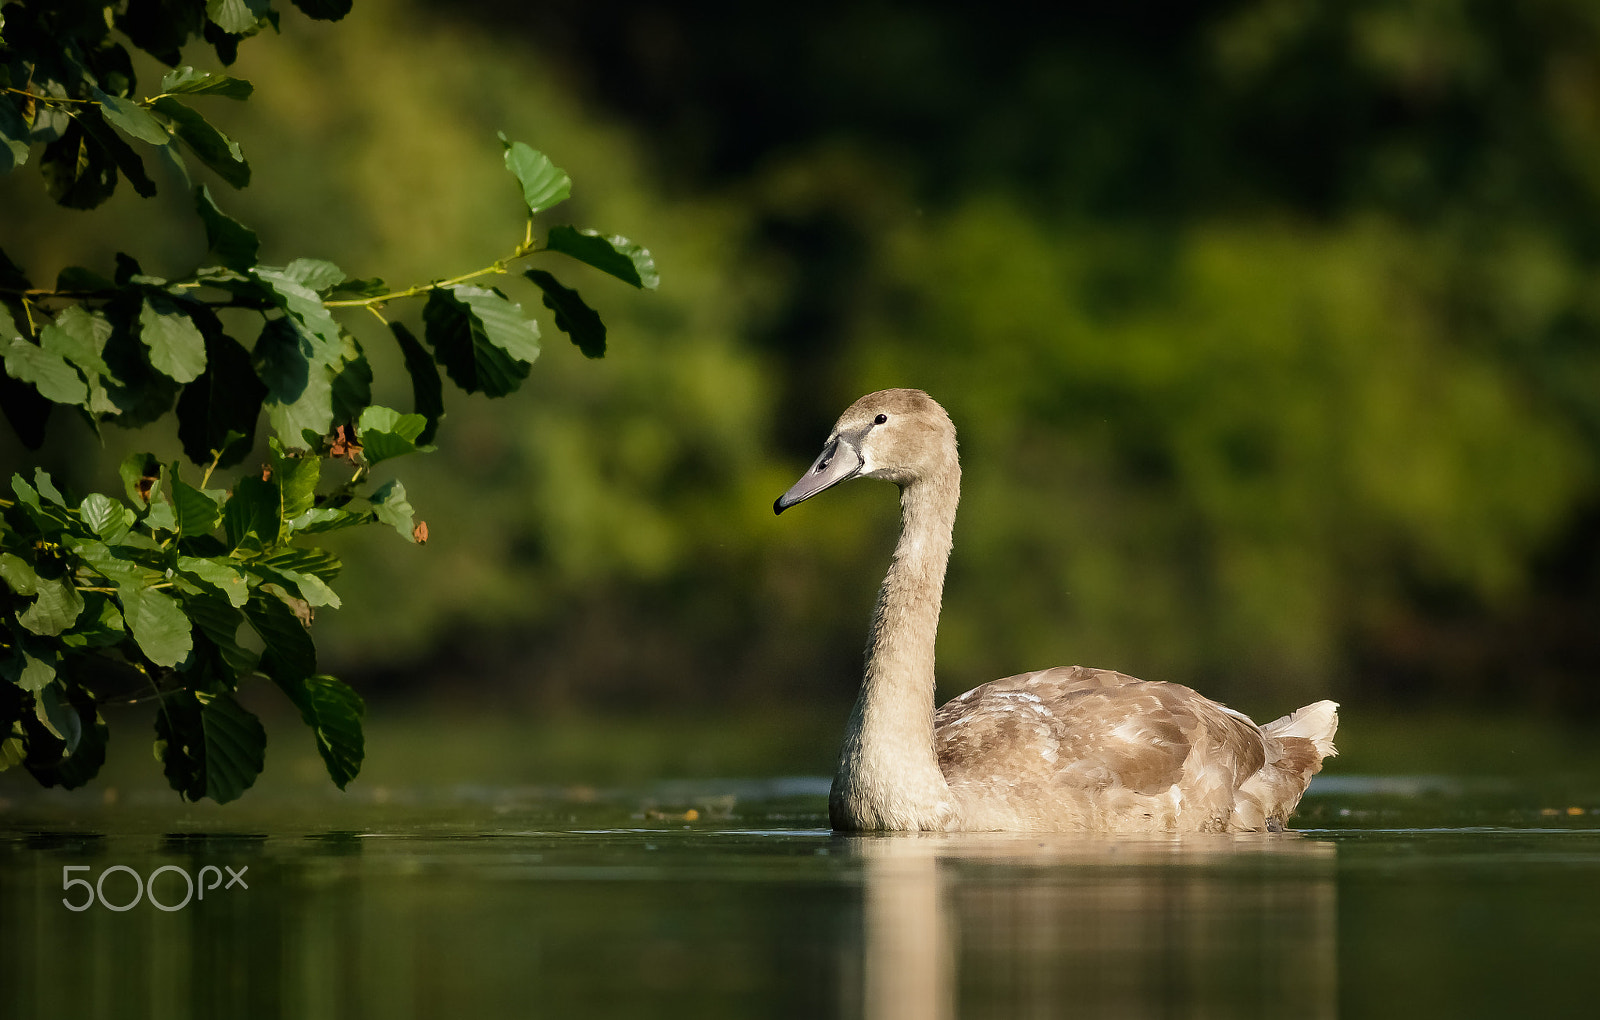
point(1398, 897)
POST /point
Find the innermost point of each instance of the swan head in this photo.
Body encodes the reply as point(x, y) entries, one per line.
point(900, 436)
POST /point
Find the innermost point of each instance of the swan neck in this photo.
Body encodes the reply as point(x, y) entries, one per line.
point(889, 773)
point(900, 657)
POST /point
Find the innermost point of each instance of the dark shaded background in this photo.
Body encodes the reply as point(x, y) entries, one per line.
point(1270, 329)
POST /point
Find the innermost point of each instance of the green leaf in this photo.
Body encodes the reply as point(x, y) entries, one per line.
point(462, 346)
point(252, 514)
point(209, 745)
point(314, 274)
point(324, 10)
point(219, 623)
point(26, 494)
point(235, 245)
point(58, 715)
point(187, 80)
point(327, 519)
point(390, 504)
point(197, 510)
point(132, 118)
point(119, 564)
point(573, 316)
point(49, 514)
point(107, 517)
point(210, 146)
point(14, 137)
point(11, 749)
point(217, 413)
point(299, 390)
point(158, 624)
point(101, 513)
point(49, 373)
point(236, 746)
point(313, 589)
point(218, 576)
point(51, 122)
point(54, 610)
point(101, 626)
point(139, 471)
point(241, 284)
point(120, 152)
point(47, 487)
point(289, 653)
point(177, 349)
point(80, 336)
point(181, 743)
point(225, 45)
point(139, 392)
point(238, 17)
point(85, 753)
point(17, 574)
point(297, 481)
point(386, 433)
point(543, 183)
point(502, 322)
point(307, 571)
point(311, 560)
point(371, 287)
point(38, 667)
point(78, 174)
point(333, 711)
point(304, 304)
point(307, 315)
point(351, 387)
point(161, 516)
point(618, 256)
point(406, 427)
point(160, 27)
point(427, 390)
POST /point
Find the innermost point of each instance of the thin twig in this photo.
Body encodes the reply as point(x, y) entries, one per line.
point(36, 97)
point(498, 267)
point(216, 458)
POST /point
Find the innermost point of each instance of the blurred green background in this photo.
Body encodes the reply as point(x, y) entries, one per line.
point(1271, 330)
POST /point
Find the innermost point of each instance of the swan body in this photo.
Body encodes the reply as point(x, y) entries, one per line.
point(1069, 748)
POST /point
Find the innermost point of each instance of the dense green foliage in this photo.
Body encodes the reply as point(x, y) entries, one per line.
point(112, 598)
point(1270, 326)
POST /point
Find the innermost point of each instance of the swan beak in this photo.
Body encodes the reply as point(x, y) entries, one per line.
point(838, 462)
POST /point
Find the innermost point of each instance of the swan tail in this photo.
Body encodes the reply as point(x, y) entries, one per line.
point(1315, 722)
point(1296, 745)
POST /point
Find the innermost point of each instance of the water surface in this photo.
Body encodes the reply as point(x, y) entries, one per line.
point(1399, 896)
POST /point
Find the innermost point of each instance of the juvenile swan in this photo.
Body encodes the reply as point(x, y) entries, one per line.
point(1068, 748)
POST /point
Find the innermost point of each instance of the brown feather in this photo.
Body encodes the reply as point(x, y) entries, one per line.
point(1116, 752)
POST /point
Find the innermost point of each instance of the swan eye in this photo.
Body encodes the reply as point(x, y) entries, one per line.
point(880, 419)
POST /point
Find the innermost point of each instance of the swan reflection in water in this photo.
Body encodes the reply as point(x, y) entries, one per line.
point(1050, 925)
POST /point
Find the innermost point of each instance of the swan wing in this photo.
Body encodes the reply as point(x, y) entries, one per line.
point(1074, 747)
